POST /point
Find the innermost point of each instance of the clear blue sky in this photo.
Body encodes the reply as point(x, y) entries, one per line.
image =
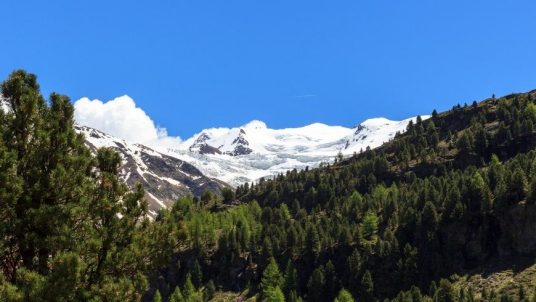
point(197, 64)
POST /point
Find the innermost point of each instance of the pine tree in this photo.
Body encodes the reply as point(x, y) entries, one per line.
point(176, 296)
point(480, 195)
point(210, 290)
point(197, 274)
point(466, 142)
point(416, 294)
point(157, 297)
point(271, 278)
point(429, 219)
point(433, 289)
point(291, 279)
point(331, 281)
point(228, 195)
point(481, 141)
point(10, 190)
point(353, 264)
point(275, 295)
point(370, 224)
point(293, 297)
point(115, 215)
point(445, 292)
point(517, 187)
point(189, 289)
point(9, 292)
point(367, 287)
point(434, 115)
point(52, 166)
point(313, 240)
point(316, 285)
point(344, 296)
point(70, 228)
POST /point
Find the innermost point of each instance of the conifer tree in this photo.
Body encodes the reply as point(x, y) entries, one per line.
point(517, 187)
point(210, 290)
point(271, 278)
point(367, 287)
point(370, 224)
point(429, 218)
point(197, 274)
point(293, 297)
point(316, 286)
point(466, 142)
point(157, 297)
point(176, 296)
point(275, 295)
point(445, 292)
point(291, 279)
point(313, 240)
point(189, 289)
point(344, 296)
point(332, 285)
point(480, 195)
point(353, 264)
point(49, 166)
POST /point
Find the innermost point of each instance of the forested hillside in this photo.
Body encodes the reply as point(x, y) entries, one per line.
point(444, 212)
point(453, 195)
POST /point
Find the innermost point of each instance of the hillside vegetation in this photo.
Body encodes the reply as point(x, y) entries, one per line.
point(415, 219)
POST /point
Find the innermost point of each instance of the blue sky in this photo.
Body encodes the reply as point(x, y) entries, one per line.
point(197, 64)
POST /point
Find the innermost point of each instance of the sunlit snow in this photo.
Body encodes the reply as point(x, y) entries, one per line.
point(275, 151)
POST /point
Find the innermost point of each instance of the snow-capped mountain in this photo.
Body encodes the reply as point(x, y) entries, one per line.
point(164, 178)
point(218, 156)
point(247, 153)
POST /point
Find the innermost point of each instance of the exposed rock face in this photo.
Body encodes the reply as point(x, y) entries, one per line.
point(239, 145)
point(163, 177)
point(201, 146)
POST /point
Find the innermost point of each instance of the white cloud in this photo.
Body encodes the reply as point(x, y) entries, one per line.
point(121, 117)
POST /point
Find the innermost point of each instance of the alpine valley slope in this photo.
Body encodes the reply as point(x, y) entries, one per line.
point(252, 151)
point(164, 178)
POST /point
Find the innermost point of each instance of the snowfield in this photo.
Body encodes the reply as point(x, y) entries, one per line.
point(247, 153)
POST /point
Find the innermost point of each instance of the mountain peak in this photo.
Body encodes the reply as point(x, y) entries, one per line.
point(376, 121)
point(165, 178)
point(255, 124)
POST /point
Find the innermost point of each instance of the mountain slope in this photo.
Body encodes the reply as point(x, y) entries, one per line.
point(163, 177)
point(455, 195)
